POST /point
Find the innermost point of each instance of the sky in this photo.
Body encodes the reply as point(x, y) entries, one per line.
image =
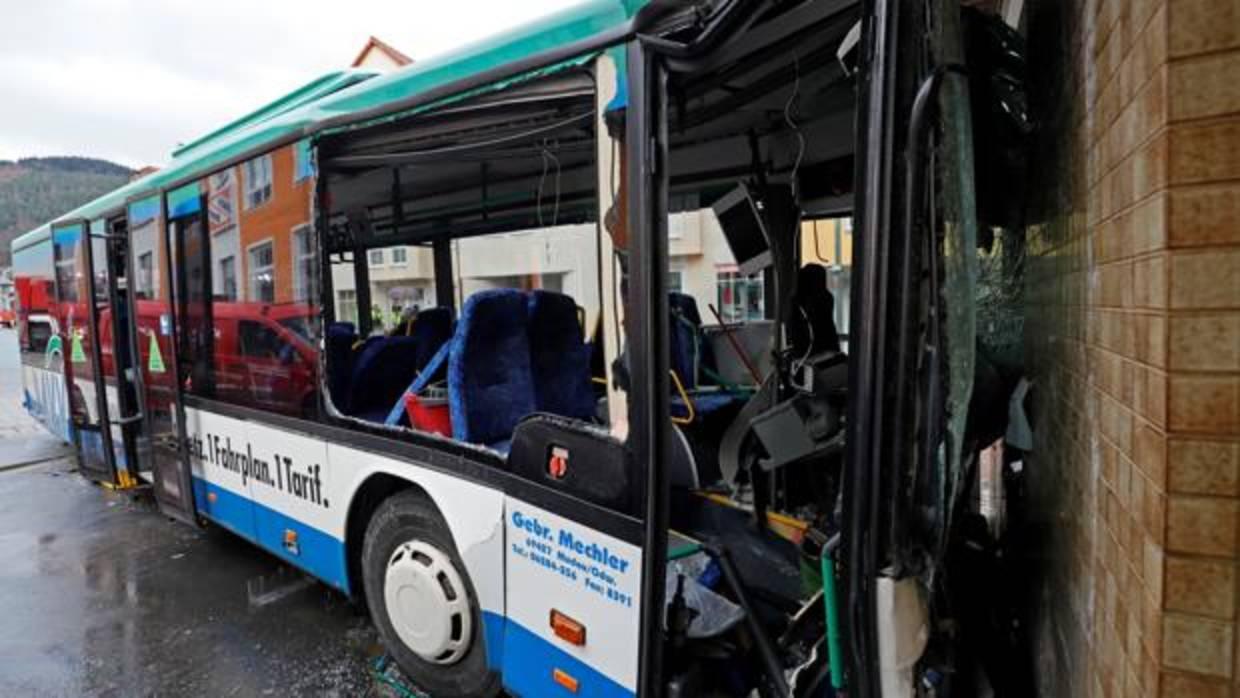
point(128, 80)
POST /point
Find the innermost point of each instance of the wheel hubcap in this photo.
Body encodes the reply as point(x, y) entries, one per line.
point(427, 603)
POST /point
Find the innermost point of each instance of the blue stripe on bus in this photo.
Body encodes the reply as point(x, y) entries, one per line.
point(493, 627)
point(143, 210)
point(530, 662)
point(184, 201)
point(320, 554)
point(67, 235)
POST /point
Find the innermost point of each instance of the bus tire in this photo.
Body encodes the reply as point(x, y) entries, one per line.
point(434, 628)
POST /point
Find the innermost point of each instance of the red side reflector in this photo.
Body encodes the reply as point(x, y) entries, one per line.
point(565, 680)
point(568, 629)
point(557, 464)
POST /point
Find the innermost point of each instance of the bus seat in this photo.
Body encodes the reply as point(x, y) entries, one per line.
point(432, 329)
point(339, 346)
point(685, 337)
point(380, 373)
point(811, 315)
point(703, 403)
point(690, 351)
point(490, 382)
point(560, 358)
point(589, 463)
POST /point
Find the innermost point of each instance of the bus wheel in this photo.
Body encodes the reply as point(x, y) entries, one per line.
point(422, 601)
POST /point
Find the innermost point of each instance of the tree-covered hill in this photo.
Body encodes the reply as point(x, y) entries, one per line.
point(36, 190)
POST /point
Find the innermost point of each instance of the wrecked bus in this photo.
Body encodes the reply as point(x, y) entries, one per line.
point(442, 339)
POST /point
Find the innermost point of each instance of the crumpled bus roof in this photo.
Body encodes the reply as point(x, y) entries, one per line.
point(302, 113)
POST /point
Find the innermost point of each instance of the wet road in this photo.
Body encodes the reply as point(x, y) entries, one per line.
point(100, 595)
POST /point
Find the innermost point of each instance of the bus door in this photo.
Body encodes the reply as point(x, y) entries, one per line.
point(160, 436)
point(113, 310)
point(77, 338)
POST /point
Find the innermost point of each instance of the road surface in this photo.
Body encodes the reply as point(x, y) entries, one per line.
point(100, 595)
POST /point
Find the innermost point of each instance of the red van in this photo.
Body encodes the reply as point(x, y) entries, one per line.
point(263, 355)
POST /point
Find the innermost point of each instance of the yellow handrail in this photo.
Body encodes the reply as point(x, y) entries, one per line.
point(680, 388)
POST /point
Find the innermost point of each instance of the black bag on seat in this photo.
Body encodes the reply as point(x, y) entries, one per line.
point(576, 458)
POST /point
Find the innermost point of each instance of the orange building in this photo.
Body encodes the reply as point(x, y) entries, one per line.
point(259, 213)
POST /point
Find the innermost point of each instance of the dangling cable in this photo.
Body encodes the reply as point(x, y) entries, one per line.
point(796, 92)
point(542, 151)
point(555, 211)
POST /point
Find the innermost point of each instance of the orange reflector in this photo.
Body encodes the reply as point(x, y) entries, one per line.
point(565, 680)
point(568, 629)
point(211, 497)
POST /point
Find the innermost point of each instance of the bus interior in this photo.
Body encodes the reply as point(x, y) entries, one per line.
point(759, 145)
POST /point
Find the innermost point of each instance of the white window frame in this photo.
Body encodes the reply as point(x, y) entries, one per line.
point(300, 292)
point(223, 281)
point(257, 190)
point(250, 269)
point(146, 275)
point(370, 259)
point(350, 299)
point(404, 253)
point(677, 270)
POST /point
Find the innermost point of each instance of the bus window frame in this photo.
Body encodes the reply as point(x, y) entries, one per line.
point(443, 265)
point(648, 400)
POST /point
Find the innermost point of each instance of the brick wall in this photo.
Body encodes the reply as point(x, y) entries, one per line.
point(1133, 338)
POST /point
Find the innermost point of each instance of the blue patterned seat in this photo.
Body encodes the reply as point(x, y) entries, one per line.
point(490, 381)
point(560, 358)
point(382, 368)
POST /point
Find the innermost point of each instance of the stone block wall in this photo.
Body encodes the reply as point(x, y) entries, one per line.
point(1133, 340)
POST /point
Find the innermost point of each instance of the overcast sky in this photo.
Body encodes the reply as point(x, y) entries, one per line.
point(127, 80)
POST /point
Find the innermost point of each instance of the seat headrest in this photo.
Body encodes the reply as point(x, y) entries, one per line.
point(341, 329)
point(685, 305)
point(552, 307)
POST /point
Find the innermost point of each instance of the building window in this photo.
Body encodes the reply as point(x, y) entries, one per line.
point(676, 281)
point(346, 306)
point(146, 275)
point(228, 278)
point(400, 255)
point(740, 297)
point(257, 181)
point(376, 258)
point(262, 273)
point(305, 259)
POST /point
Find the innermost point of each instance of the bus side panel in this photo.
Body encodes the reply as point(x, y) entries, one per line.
point(555, 564)
point(291, 492)
point(221, 458)
point(473, 511)
point(46, 398)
